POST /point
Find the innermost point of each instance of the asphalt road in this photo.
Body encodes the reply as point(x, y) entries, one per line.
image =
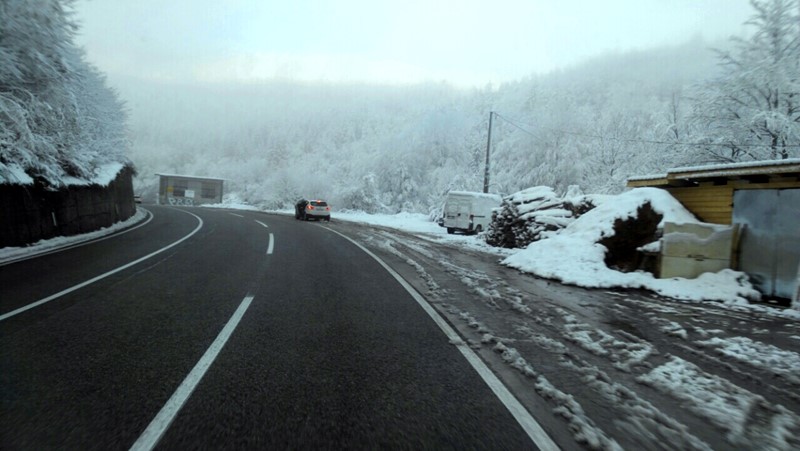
point(256, 331)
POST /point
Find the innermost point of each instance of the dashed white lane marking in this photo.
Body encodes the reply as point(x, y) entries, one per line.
point(271, 246)
point(234, 214)
point(256, 220)
point(520, 413)
point(103, 276)
point(150, 437)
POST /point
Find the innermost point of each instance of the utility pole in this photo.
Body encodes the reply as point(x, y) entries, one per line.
point(488, 147)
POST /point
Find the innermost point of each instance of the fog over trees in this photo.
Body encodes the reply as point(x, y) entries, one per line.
point(401, 148)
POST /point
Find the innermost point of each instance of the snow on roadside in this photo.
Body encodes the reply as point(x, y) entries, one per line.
point(12, 253)
point(578, 260)
point(624, 354)
point(234, 202)
point(584, 430)
point(759, 355)
point(575, 257)
point(747, 418)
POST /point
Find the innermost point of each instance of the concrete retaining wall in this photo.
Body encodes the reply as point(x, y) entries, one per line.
point(29, 213)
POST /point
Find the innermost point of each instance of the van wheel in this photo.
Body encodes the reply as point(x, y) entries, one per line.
point(478, 230)
point(451, 230)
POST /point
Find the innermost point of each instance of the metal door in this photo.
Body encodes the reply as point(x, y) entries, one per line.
point(770, 243)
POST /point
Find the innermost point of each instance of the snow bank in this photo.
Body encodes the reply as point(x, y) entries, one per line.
point(8, 254)
point(574, 256)
point(410, 222)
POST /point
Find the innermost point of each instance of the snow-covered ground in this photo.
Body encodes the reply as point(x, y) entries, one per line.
point(574, 257)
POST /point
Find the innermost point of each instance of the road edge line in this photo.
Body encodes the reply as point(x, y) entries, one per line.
point(79, 242)
point(529, 424)
point(25, 308)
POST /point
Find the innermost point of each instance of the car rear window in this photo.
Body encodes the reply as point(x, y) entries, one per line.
point(319, 203)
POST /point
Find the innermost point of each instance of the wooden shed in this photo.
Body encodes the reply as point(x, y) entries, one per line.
point(708, 191)
point(762, 199)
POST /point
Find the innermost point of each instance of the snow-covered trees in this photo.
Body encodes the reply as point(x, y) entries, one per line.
point(395, 148)
point(752, 110)
point(58, 118)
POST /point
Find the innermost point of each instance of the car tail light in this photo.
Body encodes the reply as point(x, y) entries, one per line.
point(327, 208)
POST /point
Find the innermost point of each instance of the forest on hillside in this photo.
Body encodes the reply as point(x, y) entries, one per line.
point(401, 148)
point(381, 148)
point(395, 148)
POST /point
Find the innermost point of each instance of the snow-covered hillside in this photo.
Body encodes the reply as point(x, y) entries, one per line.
point(60, 123)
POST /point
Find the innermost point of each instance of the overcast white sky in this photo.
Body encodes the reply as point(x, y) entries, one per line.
point(465, 42)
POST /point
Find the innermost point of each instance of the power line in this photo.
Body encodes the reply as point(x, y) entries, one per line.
point(636, 141)
point(514, 124)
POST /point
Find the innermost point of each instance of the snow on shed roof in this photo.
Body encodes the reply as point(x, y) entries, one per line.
point(647, 177)
point(738, 169)
point(730, 170)
point(203, 177)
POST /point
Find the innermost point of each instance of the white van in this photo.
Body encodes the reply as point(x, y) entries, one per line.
point(469, 212)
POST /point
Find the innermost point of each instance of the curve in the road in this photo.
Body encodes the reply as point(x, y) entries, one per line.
point(79, 240)
point(52, 297)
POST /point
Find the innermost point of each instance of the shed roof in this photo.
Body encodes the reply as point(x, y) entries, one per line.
point(199, 177)
point(691, 175)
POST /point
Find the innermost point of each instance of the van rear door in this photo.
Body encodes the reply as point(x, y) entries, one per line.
point(457, 214)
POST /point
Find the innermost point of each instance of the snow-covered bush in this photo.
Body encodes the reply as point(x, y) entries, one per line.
point(526, 216)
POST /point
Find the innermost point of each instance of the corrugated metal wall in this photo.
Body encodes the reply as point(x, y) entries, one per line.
point(770, 245)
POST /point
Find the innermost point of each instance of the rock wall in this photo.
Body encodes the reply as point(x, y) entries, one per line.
point(29, 213)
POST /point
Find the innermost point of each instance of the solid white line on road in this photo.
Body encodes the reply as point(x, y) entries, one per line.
point(150, 437)
point(520, 413)
point(256, 220)
point(78, 242)
point(234, 214)
point(271, 246)
point(103, 276)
